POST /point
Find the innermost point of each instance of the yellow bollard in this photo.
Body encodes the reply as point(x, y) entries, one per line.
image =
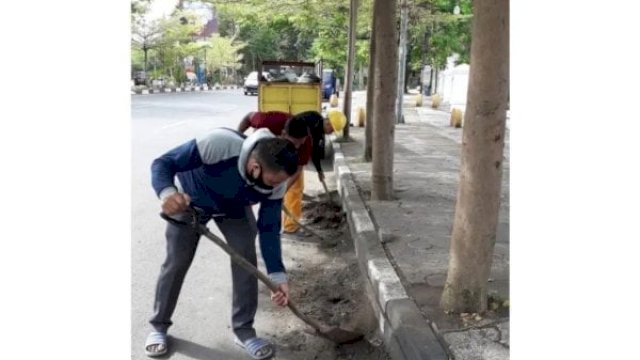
point(435, 101)
point(361, 116)
point(456, 118)
point(333, 100)
point(419, 100)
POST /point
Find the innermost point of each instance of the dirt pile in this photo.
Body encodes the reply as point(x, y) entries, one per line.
point(322, 214)
point(332, 292)
point(329, 294)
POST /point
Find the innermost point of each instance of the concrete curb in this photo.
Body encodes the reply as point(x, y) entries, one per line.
point(406, 334)
point(182, 89)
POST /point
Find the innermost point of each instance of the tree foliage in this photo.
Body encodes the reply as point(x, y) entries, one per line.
point(139, 7)
point(304, 30)
point(311, 30)
point(314, 29)
point(435, 33)
point(223, 53)
point(161, 45)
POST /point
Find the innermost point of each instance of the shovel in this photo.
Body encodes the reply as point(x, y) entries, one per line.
point(326, 189)
point(333, 333)
point(305, 227)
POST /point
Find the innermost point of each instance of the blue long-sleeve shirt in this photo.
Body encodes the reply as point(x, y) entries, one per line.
point(212, 170)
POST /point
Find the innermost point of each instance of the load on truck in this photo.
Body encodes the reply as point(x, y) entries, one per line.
point(292, 87)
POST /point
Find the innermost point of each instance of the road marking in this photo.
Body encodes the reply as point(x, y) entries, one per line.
point(172, 125)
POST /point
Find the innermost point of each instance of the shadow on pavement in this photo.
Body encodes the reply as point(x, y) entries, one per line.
point(195, 351)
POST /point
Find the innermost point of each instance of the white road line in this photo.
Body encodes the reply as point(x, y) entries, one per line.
point(172, 125)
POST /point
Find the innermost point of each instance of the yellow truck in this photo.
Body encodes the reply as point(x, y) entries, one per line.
point(291, 87)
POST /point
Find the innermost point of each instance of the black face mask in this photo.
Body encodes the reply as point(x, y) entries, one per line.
point(257, 181)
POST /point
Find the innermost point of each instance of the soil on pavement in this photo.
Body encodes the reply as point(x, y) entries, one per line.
point(326, 284)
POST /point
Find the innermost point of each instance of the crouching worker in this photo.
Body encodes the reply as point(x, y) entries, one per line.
point(310, 128)
point(306, 130)
point(223, 174)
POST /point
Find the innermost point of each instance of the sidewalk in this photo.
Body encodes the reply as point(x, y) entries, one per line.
point(403, 245)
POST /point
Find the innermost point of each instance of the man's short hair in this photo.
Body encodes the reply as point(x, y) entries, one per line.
point(298, 126)
point(310, 117)
point(276, 154)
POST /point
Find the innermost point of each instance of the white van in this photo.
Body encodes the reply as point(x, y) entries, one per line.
point(251, 82)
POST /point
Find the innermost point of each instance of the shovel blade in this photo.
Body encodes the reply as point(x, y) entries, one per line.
point(338, 335)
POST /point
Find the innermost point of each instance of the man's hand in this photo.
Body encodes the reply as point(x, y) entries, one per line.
point(281, 297)
point(245, 123)
point(176, 203)
point(320, 176)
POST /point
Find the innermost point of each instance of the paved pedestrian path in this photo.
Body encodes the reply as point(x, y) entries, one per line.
point(403, 245)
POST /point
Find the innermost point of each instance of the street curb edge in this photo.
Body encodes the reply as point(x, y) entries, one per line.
point(406, 334)
point(182, 89)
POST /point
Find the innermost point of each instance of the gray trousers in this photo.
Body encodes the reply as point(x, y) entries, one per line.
point(240, 234)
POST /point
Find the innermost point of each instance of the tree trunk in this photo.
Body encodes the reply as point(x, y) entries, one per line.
point(424, 46)
point(402, 55)
point(386, 88)
point(348, 78)
point(368, 125)
point(432, 82)
point(478, 201)
point(435, 89)
point(406, 75)
point(145, 50)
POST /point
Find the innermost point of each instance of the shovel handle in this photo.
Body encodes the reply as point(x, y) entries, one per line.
point(238, 259)
point(306, 228)
point(242, 262)
point(326, 189)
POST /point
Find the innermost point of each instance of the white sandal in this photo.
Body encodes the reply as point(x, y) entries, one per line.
point(156, 338)
point(257, 348)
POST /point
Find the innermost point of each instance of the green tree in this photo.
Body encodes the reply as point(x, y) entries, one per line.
point(368, 131)
point(478, 201)
point(178, 41)
point(330, 44)
point(307, 30)
point(146, 34)
point(349, 75)
point(252, 28)
point(311, 30)
point(435, 33)
point(223, 55)
point(139, 7)
point(386, 87)
point(166, 40)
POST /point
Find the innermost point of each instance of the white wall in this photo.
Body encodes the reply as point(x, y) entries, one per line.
point(453, 83)
point(460, 84)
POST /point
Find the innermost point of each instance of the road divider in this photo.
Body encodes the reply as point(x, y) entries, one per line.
point(141, 91)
